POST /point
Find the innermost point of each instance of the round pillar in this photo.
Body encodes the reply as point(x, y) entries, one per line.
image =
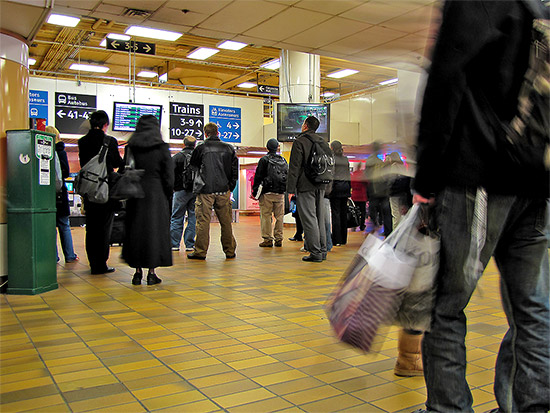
point(14, 114)
point(299, 77)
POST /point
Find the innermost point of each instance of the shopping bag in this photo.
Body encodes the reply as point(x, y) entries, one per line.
point(127, 185)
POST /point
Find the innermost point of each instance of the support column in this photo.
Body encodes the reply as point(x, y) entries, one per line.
point(299, 77)
point(14, 114)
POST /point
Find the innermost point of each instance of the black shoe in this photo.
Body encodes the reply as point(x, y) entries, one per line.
point(136, 280)
point(311, 258)
point(106, 271)
point(153, 279)
point(230, 256)
point(194, 256)
point(295, 239)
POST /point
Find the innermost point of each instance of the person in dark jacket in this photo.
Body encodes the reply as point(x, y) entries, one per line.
point(339, 195)
point(217, 171)
point(62, 201)
point(99, 217)
point(485, 206)
point(147, 230)
point(183, 201)
point(273, 185)
point(309, 195)
point(359, 193)
point(376, 176)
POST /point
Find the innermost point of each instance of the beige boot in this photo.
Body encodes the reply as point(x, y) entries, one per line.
point(409, 359)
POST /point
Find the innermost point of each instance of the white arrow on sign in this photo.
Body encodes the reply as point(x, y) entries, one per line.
point(198, 133)
point(61, 113)
point(147, 48)
point(114, 44)
point(236, 125)
point(199, 123)
point(236, 135)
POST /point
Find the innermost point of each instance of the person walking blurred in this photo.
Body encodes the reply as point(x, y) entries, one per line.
point(147, 235)
point(339, 195)
point(359, 193)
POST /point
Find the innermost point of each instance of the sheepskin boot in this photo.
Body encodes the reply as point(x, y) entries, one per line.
point(409, 359)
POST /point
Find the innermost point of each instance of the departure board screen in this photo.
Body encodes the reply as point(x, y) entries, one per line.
point(126, 115)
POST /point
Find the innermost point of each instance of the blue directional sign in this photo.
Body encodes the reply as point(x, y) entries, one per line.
point(38, 104)
point(228, 121)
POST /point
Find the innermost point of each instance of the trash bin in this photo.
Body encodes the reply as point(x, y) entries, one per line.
point(31, 212)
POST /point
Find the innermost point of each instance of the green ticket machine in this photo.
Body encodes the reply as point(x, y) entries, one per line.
point(31, 212)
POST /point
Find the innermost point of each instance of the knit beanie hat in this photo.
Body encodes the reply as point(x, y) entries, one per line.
point(272, 145)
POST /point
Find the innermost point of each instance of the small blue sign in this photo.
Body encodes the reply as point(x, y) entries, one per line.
point(38, 104)
point(228, 121)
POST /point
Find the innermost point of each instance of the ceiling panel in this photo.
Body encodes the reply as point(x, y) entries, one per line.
point(413, 21)
point(366, 39)
point(176, 16)
point(206, 7)
point(148, 5)
point(328, 6)
point(375, 12)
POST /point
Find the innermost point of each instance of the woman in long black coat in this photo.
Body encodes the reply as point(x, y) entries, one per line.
point(147, 239)
point(341, 191)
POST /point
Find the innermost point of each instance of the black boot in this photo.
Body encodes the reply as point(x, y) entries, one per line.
point(137, 278)
point(153, 279)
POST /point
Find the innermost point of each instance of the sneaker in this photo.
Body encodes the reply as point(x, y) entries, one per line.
point(230, 256)
point(194, 256)
point(189, 248)
point(279, 243)
point(175, 249)
point(295, 239)
point(311, 258)
point(73, 260)
point(266, 243)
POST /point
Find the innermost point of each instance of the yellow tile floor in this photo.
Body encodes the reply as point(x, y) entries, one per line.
point(242, 335)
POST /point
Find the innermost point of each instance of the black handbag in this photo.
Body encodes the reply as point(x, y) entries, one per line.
point(353, 215)
point(127, 185)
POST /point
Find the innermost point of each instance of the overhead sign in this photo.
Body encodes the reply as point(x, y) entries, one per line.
point(71, 110)
point(186, 119)
point(229, 122)
point(270, 90)
point(131, 46)
point(38, 104)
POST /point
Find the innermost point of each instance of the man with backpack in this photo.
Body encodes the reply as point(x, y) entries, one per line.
point(99, 216)
point(183, 201)
point(311, 168)
point(269, 188)
point(487, 204)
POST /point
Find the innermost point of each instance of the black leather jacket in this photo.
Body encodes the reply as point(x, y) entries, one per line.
point(217, 165)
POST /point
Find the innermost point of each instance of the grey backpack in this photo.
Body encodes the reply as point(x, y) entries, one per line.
point(92, 181)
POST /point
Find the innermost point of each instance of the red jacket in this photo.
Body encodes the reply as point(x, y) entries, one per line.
point(358, 186)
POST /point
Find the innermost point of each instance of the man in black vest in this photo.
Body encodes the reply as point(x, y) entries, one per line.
point(99, 217)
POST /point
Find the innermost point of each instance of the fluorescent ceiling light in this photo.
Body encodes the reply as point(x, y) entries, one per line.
point(146, 73)
point(89, 68)
point(202, 53)
point(272, 64)
point(61, 20)
point(163, 78)
point(389, 82)
point(328, 94)
point(115, 36)
point(247, 85)
point(342, 73)
point(255, 153)
point(141, 31)
point(231, 45)
point(32, 61)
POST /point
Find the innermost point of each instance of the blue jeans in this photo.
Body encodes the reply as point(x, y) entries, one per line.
point(517, 232)
point(66, 238)
point(183, 202)
point(327, 224)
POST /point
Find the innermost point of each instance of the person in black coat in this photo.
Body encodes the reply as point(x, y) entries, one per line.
point(99, 217)
point(147, 238)
point(341, 191)
point(62, 201)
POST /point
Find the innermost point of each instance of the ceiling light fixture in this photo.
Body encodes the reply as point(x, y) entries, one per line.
point(202, 53)
point(389, 82)
point(147, 73)
point(32, 61)
point(247, 85)
point(89, 68)
point(272, 64)
point(231, 45)
point(115, 36)
point(163, 78)
point(141, 31)
point(328, 94)
point(342, 73)
point(62, 20)
point(255, 153)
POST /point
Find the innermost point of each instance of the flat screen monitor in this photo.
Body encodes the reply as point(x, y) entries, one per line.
point(126, 115)
point(291, 116)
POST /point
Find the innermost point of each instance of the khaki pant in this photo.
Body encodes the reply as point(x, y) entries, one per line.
point(203, 213)
point(272, 203)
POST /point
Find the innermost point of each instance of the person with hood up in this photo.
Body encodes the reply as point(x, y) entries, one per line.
point(147, 240)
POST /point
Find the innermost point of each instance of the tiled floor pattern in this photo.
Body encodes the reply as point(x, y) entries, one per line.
point(242, 335)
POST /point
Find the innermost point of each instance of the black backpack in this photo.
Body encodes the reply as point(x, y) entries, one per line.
point(187, 175)
point(277, 172)
point(319, 168)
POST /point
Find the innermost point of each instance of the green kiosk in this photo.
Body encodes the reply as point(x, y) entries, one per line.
point(31, 212)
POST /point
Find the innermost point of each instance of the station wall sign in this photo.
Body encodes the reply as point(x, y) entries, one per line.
point(38, 104)
point(131, 46)
point(71, 110)
point(229, 122)
point(186, 119)
point(270, 90)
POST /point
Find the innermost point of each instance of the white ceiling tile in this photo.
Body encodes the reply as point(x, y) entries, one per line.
point(148, 5)
point(329, 6)
point(253, 40)
point(176, 16)
point(241, 15)
point(286, 24)
point(198, 6)
point(378, 11)
point(216, 34)
point(327, 32)
point(366, 39)
point(295, 47)
point(79, 5)
point(413, 21)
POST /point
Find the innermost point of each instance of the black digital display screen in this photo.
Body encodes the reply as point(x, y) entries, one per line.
point(126, 115)
point(291, 116)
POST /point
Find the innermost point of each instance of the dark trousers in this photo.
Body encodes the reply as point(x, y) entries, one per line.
point(363, 213)
point(99, 221)
point(380, 214)
point(299, 227)
point(339, 215)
